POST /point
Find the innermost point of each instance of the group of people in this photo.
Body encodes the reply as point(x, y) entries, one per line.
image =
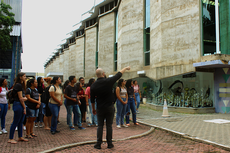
point(33, 102)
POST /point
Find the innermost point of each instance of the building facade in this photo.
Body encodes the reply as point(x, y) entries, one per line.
point(171, 46)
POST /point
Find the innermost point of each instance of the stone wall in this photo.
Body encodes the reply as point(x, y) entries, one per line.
point(106, 42)
point(79, 61)
point(175, 37)
point(90, 51)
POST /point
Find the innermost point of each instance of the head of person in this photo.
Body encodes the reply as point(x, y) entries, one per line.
point(129, 83)
point(100, 73)
point(72, 79)
point(21, 78)
point(91, 81)
point(3, 82)
point(66, 84)
point(48, 80)
point(82, 81)
point(135, 82)
point(78, 86)
point(56, 80)
point(121, 83)
point(32, 83)
point(40, 81)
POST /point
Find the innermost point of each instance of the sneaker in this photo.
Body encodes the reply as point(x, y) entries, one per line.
point(124, 125)
point(16, 129)
point(137, 112)
point(0, 132)
point(88, 125)
point(97, 146)
point(58, 122)
point(81, 128)
point(41, 125)
point(96, 124)
point(4, 131)
point(24, 128)
point(71, 128)
point(118, 126)
point(36, 125)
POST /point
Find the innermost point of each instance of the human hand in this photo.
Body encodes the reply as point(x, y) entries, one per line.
point(94, 112)
point(38, 106)
point(39, 103)
point(8, 106)
point(135, 103)
point(24, 99)
point(60, 103)
point(128, 68)
point(24, 112)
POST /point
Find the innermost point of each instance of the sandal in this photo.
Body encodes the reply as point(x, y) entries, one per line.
point(136, 123)
point(12, 141)
point(23, 139)
point(128, 124)
point(29, 136)
point(33, 135)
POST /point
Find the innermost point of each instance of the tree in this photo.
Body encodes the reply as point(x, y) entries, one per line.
point(6, 26)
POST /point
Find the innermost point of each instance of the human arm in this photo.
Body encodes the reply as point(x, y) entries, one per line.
point(124, 69)
point(92, 97)
point(69, 98)
point(22, 99)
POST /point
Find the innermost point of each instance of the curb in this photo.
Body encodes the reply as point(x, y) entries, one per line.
point(94, 141)
point(184, 135)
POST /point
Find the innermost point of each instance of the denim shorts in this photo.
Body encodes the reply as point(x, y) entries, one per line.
point(32, 112)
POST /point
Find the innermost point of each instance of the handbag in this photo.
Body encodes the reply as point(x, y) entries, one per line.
point(88, 116)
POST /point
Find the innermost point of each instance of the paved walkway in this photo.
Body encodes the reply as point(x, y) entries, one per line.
point(157, 141)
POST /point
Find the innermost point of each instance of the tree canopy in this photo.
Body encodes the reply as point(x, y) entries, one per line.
point(6, 26)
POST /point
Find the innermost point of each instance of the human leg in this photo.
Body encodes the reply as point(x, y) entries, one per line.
point(137, 96)
point(109, 121)
point(133, 109)
point(4, 108)
point(127, 112)
point(100, 117)
point(54, 111)
point(69, 115)
point(119, 111)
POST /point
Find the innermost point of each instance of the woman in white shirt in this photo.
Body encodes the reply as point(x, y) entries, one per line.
point(3, 103)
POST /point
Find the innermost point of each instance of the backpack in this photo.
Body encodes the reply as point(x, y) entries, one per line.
point(9, 96)
point(47, 94)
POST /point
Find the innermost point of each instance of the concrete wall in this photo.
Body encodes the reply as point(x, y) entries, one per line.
point(106, 42)
point(130, 35)
point(79, 57)
point(175, 37)
point(90, 51)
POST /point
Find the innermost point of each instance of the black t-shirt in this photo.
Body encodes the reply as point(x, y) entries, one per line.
point(42, 92)
point(16, 89)
point(130, 92)
point(72, 93)
point(34, 95)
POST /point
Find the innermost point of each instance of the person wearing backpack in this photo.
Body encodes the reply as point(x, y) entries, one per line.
point(55, 102)
point(122, 100)
point(19, 107)
point(4, 106)
point(33, 104)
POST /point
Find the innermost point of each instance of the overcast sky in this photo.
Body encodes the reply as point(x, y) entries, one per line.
point(44, 24)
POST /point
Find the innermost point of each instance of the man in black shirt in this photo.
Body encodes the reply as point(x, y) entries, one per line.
point(71, 96)
point(102, 91)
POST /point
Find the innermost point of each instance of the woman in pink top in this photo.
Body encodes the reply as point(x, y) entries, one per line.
point(87, 92)
point(137, 93)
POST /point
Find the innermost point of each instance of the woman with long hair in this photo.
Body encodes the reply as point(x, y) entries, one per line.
point(131, 103)
point(41, 91)
point(87, 92)
point(56, 100)
point(137, 93)
point(33, 104)
point(83, 99)
point(19, 107)
point(122, 100)
point(4, 106)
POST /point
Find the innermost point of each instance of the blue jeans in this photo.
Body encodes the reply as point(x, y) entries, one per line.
point(4, 108)
point(18, 119)
point(32, 112)
point(65, 103)
point(77, 116)
point(94, 117)
point(121, 108)
point(54, 108)
point(41, 113)
point(137, 96)
point(71, 109)
point(131, 105)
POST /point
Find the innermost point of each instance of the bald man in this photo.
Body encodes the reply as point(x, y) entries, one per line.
point(101, 90)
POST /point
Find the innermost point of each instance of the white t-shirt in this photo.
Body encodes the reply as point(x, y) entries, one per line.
point(57, 94)
point(3, 99)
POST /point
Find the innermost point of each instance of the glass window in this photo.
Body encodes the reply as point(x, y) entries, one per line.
point(191, 90)
point(116, 41)
point(209, 27)
point(147, 13)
